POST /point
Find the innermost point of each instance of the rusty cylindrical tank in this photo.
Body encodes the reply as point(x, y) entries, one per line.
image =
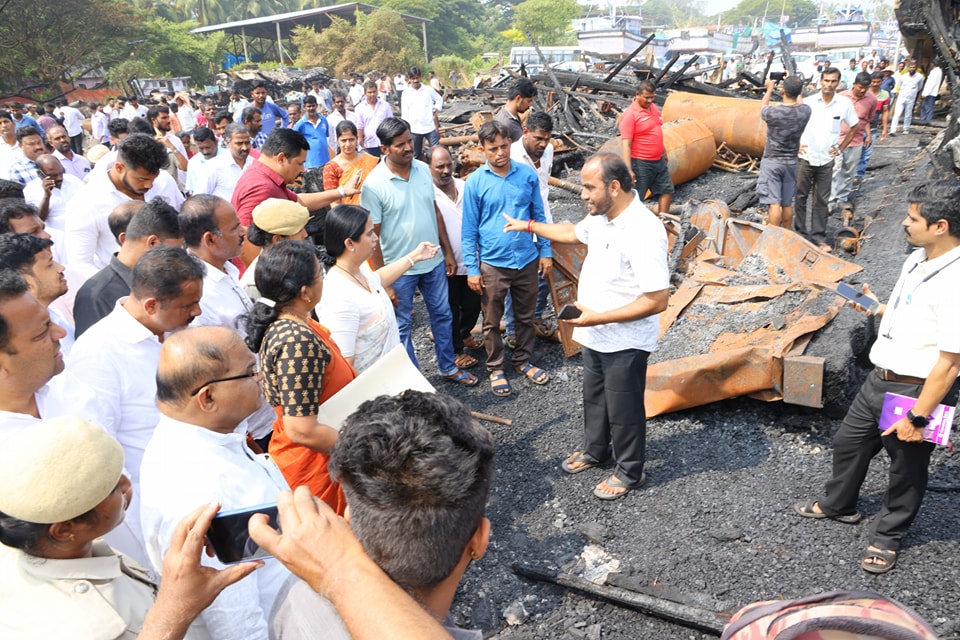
point(735, 121)
point(690, 149)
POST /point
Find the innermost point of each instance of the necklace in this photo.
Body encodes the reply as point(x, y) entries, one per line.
point(361, 282)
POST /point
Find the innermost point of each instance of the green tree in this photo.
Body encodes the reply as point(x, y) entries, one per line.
point(169, 49)
point(548, 21)
point(672, 14)
point(455, 23)
point(45, 41)
point(802, 12)
point(379, 41)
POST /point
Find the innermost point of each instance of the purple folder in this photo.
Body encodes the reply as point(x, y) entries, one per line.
point(895, 407)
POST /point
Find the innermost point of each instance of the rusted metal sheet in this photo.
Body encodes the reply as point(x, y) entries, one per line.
point(803, 380)
point(734, 121)
point(567, 263)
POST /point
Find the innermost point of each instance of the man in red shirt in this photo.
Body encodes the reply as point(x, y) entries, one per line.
point(641, 132)
point(280, 163)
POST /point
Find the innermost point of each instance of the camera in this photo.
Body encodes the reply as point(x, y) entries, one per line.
point(777, 76)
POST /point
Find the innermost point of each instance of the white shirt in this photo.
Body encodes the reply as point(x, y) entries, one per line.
point(188, 117)
point(76, 166)
point(223, 300)
point(221, 175)
point(57, 216)
point(519, 154)
point(399, 82)
point(99, 123)
point(356, 94)
point(130, 112)
point(196, 167)
point(417, 107)
point(186, 466)
point(909, 86)
point(91, 243)
point(63, 395)
point(626, 258)
point(823, 128)
point(237, 107)
point(931, 87)
point(922, 317)
point(333, 119)
point(117, 357)
point(72, 120)
point(452, 213)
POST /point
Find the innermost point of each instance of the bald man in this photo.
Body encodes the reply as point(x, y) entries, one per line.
point(50, 191)
point(207, 385)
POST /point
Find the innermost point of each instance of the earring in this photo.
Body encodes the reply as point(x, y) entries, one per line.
point(72, 537)
point(473, 555)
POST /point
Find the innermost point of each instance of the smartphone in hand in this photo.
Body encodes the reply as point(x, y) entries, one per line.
point(857, 297)
point(230, 539)
point(569, 312)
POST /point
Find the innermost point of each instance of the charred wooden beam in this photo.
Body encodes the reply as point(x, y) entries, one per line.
point(623, 63)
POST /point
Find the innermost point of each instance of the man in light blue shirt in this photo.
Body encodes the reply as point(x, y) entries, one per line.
point(315, 129)
point(499, 262)
point(399, 195)
point(269, 110)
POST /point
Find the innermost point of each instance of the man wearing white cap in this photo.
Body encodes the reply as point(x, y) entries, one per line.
point(63, 490)
point(207, 385)
point(273, 220)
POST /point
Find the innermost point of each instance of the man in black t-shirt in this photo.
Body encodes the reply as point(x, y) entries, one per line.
point(777, 183)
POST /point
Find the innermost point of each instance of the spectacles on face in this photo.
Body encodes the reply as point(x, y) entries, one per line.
point(250, 374)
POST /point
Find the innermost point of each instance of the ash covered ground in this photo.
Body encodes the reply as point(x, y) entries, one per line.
point(714, 522)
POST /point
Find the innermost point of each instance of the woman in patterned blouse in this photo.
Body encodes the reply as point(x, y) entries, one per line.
point(302, 365)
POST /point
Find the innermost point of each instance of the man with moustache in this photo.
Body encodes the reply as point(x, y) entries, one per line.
point(845, 166)
point(916, 354)
point(419, 107)
point(910, 84)
point(117, 357)
point(208, 149)
point(220, 175)
point(269, 110)
point(51, 190)
point(73, 163)
point(624, 285)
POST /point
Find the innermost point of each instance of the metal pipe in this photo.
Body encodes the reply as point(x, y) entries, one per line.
point(735, 121)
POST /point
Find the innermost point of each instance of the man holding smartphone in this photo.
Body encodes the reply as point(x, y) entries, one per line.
point(623, 287)
point(207, 385)
point(916, 354)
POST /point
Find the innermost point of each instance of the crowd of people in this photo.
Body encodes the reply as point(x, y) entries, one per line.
point(165, 321)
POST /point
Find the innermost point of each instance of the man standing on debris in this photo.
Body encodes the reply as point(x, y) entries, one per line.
point(819, 147)
point(624, 285)
point(777, 183)
point(419, 107)
point(519, 99)
point(880, 121)
point(641, 132)
point(916, 354)
point(907, 92)
point(845, 167)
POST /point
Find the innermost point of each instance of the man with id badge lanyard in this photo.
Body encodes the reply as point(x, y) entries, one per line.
point(916, 354)
point(820, 145)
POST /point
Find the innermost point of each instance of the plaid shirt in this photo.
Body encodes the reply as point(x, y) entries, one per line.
point(258, 141)
point(22, 170)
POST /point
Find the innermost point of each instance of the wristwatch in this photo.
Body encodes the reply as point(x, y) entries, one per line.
point(920, 422)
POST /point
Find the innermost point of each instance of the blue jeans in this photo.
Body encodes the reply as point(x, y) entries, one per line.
point(433, 288)
point(543, 290)
point(433, 137)
point(865, 158)
point(926, 108)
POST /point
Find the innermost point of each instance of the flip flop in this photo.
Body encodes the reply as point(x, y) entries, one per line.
point(535, 374)
point(473, 342)
point(616, 483)
point(878, 560)
point(806, 510)
point(462, 377)
point(499, 385)
point(465, 361)
point(583, 462)
point(510, 340)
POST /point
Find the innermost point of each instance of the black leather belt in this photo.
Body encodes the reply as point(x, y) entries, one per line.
point(889, 376)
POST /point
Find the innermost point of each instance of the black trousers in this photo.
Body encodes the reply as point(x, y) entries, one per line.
point(465, 307)
point(857, 441)
point(76, 143)
point(816, 180)
point(613, 411)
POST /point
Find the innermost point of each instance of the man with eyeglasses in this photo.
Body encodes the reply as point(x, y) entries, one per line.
point(917, 355)
point(207, 386)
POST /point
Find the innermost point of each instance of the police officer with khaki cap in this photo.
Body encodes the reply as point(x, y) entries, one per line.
point(274, 219)
point(63, 490)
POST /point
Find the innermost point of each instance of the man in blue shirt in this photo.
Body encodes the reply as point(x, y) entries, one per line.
point(269, 111)
point(399, 195)
point(498, 262)
point(315, 129)
point(20, 119)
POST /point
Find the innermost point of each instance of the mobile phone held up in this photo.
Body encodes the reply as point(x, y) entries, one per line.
point(857, 297)
point(229, 536)
point(569, 312)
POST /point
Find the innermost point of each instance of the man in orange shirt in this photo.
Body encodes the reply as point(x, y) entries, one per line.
point(641, 132)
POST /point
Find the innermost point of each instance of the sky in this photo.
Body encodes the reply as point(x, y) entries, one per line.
point(713, 7)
